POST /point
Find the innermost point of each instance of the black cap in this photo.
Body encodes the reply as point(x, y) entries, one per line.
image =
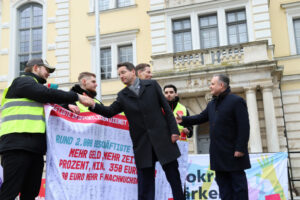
point(40, 62)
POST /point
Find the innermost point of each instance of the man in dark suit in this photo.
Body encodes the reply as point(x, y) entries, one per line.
point(229, 134)
point(153, 133)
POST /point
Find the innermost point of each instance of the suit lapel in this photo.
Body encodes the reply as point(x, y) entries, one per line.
point(142, 89)
point(143, 85)
point(129, 93)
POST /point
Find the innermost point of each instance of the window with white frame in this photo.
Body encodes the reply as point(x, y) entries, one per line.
point(125, 53)
point(111, 4)
point(104, 4)
point(30, 28)
point(236, 26)
point(106, 70)
point(123, 3)
point(115, 48)
point(209, 31)
point(292, 17)
point(182, 36)
point(297, 34)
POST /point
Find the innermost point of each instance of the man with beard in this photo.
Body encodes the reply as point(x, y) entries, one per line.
point(87, 87)
point(170, 92)
point(23, 129)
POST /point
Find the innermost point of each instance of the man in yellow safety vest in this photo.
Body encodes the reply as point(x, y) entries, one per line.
point(22, 133)
point(170, 92)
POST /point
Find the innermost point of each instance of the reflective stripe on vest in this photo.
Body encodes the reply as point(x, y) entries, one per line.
point(180, 109)
point(22, 115)
point(83, 108)
point(122, 113)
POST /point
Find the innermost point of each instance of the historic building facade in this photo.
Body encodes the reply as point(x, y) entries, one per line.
point(255, 42)
point(249, 41)
point(63, 32)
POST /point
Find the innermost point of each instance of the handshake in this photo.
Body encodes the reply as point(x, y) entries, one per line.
point(86, 101)
point(83, 99)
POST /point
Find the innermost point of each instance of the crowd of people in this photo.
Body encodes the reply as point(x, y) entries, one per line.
point(156, 119)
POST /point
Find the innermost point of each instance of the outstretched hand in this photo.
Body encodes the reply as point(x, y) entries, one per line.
point(178, 118)
point(74, 109)
point(238, 154)
point(174, 137)
point(85, 100)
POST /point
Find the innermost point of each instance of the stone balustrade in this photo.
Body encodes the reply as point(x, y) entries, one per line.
point(213, 57)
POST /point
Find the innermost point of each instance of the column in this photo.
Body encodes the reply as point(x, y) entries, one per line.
point(255, 137)
point(270, 119)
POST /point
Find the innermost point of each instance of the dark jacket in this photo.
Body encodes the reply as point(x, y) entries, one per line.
point(150, 129)
point(229, 131)
point(173, 105)
point(76, 88)
point(27, 87)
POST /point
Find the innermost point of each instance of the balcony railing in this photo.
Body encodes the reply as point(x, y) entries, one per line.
point(213, 57)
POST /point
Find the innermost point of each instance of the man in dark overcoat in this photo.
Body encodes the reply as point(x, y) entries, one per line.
point(229, 134)
point(153, 133)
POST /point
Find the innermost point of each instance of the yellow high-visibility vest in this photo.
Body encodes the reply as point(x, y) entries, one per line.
point(181, 109)
point(22, 115)
point(83, 108)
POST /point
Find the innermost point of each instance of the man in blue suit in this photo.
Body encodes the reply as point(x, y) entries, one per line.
point(229, 135)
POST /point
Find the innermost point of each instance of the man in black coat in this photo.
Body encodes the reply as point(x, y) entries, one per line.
point(229, 134)
point(153, 133)
point(22, 149)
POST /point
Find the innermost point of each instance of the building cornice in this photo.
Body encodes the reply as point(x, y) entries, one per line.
point(287, 57)
point(290, 5)
point(112, 10)
point(192, 6)
point(109, 97)
point(116, 34)
point(288, 78)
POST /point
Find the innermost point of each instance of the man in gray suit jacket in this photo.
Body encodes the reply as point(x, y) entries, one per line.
point(153, 132)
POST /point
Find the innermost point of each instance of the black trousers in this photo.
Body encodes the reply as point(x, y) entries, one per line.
point(22, 172)
point(232, 185)
point(146, 181)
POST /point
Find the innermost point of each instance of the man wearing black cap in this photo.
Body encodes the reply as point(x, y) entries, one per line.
point(22, 133)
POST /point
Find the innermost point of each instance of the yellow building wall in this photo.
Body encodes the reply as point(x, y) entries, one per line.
point(281, 40)
point(113, 21)
point(51, 34)
point(279, 28)
point(82, 25)
point(291, 66)
point(5, 39)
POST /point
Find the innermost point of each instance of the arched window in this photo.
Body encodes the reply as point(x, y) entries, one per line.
point(30, 29)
